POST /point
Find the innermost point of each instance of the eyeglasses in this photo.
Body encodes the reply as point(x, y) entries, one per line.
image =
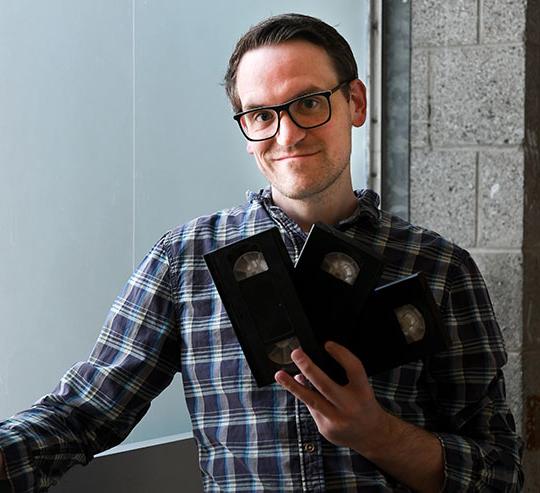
point(309, 111)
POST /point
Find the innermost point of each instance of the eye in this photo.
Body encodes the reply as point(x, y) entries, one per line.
point(262, 116)
point(310, 103)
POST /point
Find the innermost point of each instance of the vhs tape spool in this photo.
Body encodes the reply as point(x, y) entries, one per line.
point(334, 276)
point(254, 279)
point(401, 323)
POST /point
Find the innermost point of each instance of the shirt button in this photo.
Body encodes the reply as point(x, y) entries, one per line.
point(309, 448)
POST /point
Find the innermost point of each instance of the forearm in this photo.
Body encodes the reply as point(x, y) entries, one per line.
point(38, 445)
point(351, 416)
point(410, 454)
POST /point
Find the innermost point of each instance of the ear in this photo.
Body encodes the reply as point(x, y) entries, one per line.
point(358, 103)
point(249, 147)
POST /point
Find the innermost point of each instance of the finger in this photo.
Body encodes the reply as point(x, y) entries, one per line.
point(317, 377)
point(313, 400)
point(352, 365)
point(301, 379)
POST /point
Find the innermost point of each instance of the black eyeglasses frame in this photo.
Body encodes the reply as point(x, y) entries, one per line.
point(285, 107)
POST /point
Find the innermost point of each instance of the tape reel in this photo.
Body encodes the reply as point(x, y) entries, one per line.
point(249, 264)
point(280, 352)
point(412, 323)
point(341, 266)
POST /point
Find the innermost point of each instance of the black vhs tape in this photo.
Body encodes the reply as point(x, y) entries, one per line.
point(254, 279)
point(401, 323)
point(329, 295)
point(334, 277)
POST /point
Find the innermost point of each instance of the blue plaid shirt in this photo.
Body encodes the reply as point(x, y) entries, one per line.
point(169, 318)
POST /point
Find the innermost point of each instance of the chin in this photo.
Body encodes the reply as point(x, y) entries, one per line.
point(300, 192)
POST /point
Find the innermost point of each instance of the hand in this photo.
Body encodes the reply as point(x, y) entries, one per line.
point(347, 415)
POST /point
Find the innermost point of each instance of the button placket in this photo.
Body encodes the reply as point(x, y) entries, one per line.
point(292, 231)
point(310, 447)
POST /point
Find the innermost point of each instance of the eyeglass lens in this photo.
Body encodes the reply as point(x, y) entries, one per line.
point(308, 112)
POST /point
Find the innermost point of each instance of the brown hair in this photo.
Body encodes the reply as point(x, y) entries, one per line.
point(287, 27)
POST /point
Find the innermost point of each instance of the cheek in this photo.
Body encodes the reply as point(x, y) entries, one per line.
point(257, 149)
point(258, 154)
point(333, 139)
point(340, 133)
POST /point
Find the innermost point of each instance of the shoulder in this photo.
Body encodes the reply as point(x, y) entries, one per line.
point(208, 232)
point(403, 244)
point(416, 239)
point(408, 248)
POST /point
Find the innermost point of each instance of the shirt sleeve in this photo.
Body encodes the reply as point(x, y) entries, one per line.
point(99, 401)
point(482, 451)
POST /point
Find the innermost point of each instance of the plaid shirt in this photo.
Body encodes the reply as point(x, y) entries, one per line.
point(169, 318)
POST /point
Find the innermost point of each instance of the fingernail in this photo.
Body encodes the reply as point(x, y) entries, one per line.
point(300, 378)
point(296, 354)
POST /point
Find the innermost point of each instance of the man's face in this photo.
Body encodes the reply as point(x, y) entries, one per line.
point(300, 163)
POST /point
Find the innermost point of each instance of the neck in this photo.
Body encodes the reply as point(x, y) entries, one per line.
point(328, 208)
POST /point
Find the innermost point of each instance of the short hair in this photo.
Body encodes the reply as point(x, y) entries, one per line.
point(288, 27)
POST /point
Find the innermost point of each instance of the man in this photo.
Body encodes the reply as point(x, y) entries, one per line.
point(437, 423)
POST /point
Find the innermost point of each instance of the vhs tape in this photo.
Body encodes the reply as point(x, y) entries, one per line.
point(329, 295)
point(254, 279)
point(400, 323)
point(334, 276)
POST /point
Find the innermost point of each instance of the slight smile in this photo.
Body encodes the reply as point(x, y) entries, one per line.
point(295, 156)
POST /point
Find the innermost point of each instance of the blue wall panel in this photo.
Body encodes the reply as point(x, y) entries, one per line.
point(114, 127)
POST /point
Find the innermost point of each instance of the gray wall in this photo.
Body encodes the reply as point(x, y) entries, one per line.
point(114, 128)
point(475, 135)
point(170, 467)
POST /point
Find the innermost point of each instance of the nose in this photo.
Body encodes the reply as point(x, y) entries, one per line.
point(289, 132)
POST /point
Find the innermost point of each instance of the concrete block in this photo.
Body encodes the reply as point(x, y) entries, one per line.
point(419, 134)
point(503, 21)
point(419, 98)
point(513, 377)
point(443, 193)
point(500, 211)
point(477, 95)
point(442, 23)
point(503, 273)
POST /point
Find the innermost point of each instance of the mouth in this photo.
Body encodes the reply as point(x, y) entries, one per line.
point(298, 155)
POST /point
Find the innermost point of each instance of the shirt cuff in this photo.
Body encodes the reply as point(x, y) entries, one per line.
point(18, 464)
point(459, 463)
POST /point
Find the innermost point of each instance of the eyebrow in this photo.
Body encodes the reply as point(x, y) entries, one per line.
point(309, 90)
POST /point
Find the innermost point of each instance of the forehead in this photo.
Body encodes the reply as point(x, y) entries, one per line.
point(273, 74)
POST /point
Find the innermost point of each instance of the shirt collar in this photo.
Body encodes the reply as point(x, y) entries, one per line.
point(368, 205)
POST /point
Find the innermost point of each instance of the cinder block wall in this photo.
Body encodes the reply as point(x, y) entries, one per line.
point(475, 166)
